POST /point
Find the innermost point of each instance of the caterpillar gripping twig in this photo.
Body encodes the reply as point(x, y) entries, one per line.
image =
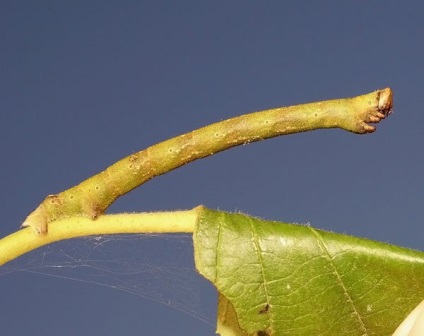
point(93, 196)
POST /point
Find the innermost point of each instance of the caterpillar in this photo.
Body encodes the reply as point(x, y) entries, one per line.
point(93, 196)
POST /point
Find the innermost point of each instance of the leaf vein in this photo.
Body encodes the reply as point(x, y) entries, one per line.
point(327, 255)
point(261, 263)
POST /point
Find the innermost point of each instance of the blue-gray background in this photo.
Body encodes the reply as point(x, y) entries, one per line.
point(84, 83)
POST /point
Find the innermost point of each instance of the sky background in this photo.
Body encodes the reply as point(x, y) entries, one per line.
point(85, 83)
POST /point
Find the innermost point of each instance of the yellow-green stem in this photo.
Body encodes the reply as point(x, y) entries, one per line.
point(23, 241)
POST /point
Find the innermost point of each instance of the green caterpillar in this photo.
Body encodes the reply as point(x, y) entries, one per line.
point(93, 196)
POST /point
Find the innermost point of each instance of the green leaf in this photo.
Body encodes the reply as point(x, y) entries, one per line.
point(289, 279)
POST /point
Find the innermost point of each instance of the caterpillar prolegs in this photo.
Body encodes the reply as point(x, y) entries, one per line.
point(93, 196)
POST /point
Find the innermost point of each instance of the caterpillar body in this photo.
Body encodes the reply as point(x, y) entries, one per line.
point(93, 196)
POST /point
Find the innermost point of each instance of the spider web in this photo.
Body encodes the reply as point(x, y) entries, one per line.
point(155, 267)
